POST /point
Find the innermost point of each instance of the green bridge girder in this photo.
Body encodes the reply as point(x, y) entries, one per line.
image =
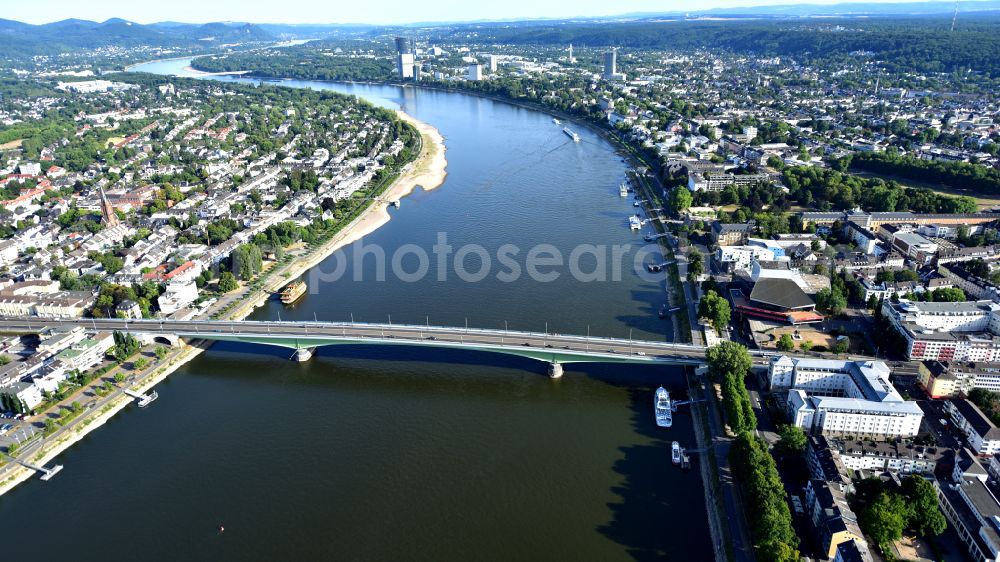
point(548, 355)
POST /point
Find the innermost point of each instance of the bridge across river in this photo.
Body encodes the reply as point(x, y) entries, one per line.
point(304, 337)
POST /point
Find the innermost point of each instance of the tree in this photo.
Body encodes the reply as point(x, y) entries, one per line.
point(119, 378)
point(125, 346)
point(160, 352)
point(679, 200)
point(715, 309)
point(140, 364)
point(695, 264)
point(841, 345)
point(792, 440)
point(921, 496)
point(885, 517)
point(728, 357)
point(785, 343)
point(947, 294)
point(227, 282)
point(831, 300)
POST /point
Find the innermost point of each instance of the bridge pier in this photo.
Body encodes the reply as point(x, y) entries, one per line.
point(304, 354)
point(555, 370)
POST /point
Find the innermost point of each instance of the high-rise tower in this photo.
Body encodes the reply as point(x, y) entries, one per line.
point(610, 64)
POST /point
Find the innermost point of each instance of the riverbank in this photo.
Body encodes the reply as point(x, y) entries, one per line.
point(427, 171)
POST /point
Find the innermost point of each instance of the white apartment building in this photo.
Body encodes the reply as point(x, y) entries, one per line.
point(947, 331)
point(714, 181)
point(982, 435)
point(843, 397)
point(740, 258)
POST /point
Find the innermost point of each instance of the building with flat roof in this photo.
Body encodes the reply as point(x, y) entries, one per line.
point(717, 181)
point(915, 246)
point(828, 396)
point(947, 331)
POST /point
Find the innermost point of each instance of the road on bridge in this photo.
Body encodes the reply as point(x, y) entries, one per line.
point(564, 348)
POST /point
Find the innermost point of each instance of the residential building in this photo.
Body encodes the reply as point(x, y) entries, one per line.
point(944, 379)
point(970, 504)
point(715, 181)
point(827, 396)
point(731, 234)
point(982, 435)
point(947, 331)
point(832, 518)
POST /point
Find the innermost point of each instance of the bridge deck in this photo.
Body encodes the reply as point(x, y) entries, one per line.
point(560, 348)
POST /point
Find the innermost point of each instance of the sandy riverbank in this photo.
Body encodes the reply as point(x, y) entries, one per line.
point(427, 171)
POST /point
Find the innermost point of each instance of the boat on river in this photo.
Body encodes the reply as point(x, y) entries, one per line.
point(571, 134)
point(292, 292)
point(675, 452)
point(634, 223)
point(622, 190)
point(556, 121)
point(148, 399)
point(661, 407)
point(685, 459)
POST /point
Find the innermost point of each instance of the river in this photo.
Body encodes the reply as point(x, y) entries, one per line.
point(397, 453)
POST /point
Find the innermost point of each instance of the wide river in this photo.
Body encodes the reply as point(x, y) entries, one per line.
point(398, 453)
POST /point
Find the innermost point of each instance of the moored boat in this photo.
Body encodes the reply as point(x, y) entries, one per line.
point(661, 407)
point(634, 223)
point(675, 452)
point(292, 292)
point(622, 190)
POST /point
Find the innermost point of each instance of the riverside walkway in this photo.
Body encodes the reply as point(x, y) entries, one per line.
point(304, 337)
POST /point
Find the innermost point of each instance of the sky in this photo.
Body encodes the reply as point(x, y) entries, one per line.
point(349, 11)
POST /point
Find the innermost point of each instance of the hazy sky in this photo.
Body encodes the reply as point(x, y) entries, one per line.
point(347, 11)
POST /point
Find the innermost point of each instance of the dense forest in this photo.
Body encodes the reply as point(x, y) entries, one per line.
point(960, 175)
point(831, 189)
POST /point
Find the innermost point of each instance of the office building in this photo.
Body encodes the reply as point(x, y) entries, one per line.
point(611, 66)
point(405, 62)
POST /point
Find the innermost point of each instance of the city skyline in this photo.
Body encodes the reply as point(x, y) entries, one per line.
point(390, 12)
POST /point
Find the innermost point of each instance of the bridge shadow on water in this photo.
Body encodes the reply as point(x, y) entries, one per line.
point(659, 513)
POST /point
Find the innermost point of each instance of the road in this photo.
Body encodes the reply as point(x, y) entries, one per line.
point(564, 348)
point(731, 499)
